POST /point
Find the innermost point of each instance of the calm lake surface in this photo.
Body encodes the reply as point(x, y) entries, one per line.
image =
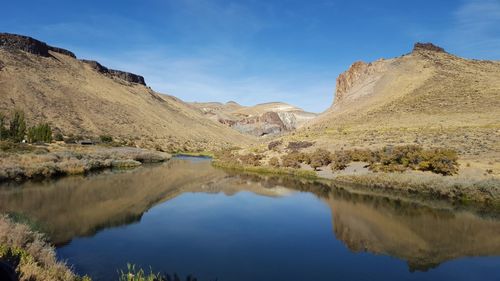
point(187, 217)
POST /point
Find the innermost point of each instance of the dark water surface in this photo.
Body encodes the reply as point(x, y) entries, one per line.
point(187, 217)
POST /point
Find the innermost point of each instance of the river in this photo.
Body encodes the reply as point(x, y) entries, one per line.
point(185, 216)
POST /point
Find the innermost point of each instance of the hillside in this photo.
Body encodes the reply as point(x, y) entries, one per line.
point(427, 97)
point(259, 120)
point(81, 97)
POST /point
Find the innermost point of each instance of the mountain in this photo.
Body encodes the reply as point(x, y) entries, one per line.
point(427, 97)
point(262, 119)
point(82, 97)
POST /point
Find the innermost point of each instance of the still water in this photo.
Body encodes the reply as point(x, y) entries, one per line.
point(187, 217)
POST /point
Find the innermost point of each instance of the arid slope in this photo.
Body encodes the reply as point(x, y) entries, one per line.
point(76, 97)
point(427, 97)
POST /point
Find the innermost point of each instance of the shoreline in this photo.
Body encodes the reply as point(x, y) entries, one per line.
point(56, 160)
point(482, 193)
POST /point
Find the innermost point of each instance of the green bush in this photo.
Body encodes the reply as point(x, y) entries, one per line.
point(17, 128)
point(319, 158)
point(59, 137)
point(40, 133)
point(106, 138)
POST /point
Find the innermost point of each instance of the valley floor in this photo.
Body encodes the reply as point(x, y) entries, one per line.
point(468, 187)
point(23, 162)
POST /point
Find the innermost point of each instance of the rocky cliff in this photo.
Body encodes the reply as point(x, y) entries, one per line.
point(127, 76)
point(36, 47)
point(30, 45)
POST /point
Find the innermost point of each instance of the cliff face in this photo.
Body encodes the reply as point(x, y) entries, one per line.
point(39, 48)
point(127, 76)
point(358, 72)
point(30, 45)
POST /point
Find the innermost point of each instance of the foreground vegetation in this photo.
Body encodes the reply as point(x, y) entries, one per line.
point(30, 255)
point(32, 258)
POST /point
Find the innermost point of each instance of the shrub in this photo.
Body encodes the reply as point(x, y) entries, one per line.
point(59, 137)
point(340, 160)
point(40, 133)
point(274, 144)
point(297, 145)
point(319, 158)
point(73, 139)
point(439, 161)
point(362, 155)
point(291, 160)
point(251, 159)
point(274, 162)
point(8, 146)
point(106, 138)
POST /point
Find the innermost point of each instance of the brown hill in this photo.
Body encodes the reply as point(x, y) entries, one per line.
point(427, 97)
point(259, 120)
point(85, 98)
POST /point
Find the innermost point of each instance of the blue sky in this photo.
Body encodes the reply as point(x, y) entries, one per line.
point(253, 51)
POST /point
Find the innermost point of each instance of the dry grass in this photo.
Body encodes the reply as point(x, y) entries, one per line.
point(458, 188)
point(33, 258)
point(72, 160)
point(77, 100)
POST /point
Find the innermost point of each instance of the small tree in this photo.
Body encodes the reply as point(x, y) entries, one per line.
point(40, 133)
point(106, 138)
point(17, 129)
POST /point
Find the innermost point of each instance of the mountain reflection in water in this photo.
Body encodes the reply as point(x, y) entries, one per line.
point(422, 235)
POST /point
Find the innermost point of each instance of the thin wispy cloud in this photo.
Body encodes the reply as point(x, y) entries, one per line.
point(255, 51)
point(477, 28)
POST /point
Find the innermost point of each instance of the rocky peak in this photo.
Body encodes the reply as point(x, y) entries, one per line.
point(427, 47)
point(127, 76)
point(30, 45)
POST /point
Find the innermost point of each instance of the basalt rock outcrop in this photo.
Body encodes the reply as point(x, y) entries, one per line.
point(30, 45)
point(127, 76)
point(427, 47)
point(36, 47)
